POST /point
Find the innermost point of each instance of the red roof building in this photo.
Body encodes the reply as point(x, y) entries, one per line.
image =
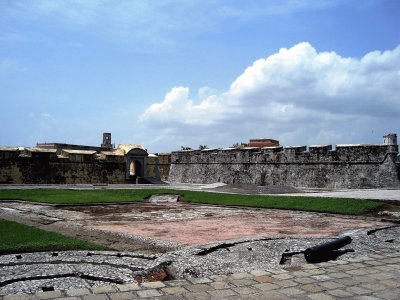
point(260, 143)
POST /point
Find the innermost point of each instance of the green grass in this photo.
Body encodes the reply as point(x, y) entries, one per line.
point(315, 204)
point(329, 205)
point(15, 238)
point(60, 196)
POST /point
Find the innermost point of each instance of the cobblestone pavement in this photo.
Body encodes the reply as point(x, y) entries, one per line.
point(368, 273)
point(373, 276)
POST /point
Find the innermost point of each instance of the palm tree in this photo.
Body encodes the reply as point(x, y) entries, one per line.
point(186, 148)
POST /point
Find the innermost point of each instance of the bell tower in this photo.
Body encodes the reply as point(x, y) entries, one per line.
point(106, 140)
point(390, 139)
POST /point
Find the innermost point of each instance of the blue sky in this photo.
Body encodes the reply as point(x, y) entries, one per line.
point(175, 73)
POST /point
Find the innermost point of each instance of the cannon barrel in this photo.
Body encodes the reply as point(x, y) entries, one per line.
point(325, 251)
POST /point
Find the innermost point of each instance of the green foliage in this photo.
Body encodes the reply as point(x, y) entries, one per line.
point(59, 196)
point(186, 148)
point(202, 147)
point(239, 145)
point(15, 237)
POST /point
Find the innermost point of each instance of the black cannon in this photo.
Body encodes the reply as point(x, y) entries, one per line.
point(327, 251)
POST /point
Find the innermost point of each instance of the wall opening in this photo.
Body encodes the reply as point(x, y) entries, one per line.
point(135, 168)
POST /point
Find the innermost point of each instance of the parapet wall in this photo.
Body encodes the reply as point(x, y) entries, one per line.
point(349, 166)
point(48, 168)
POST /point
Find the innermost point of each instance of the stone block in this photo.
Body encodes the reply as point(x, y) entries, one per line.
point(49, 295)
point(104, 289)
point(128, 287)
point(292, 292)
point(218, 294)
point(198, 288)
point(122, 296)
point(153, 285)
point(245, 290)
point(95, 297)
point(266, 286)
point(174, 290)
point(263, 278)
point(148, 293)
point(242, 282)
point(218, 285)
point(199, 280)
point(77, 292)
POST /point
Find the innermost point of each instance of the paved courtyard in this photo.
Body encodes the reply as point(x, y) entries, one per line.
point(264, 264)
point(376, 276)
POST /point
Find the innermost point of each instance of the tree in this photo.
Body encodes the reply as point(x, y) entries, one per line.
point(202, 147)
point(239, 145)
point(186, 148)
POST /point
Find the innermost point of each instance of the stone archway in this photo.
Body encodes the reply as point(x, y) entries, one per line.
point(136, 168)
point(136, 161)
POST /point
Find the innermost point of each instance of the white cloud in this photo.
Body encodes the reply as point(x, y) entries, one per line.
point(320, 93)
point(178, 108)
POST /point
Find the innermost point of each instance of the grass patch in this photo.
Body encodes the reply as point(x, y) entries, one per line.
point(61, 196)
point(315, 204)
point(16, 238)
point(328, 205)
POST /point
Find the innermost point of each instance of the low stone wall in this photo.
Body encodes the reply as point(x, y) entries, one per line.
point(349, 166)
point(46, 170)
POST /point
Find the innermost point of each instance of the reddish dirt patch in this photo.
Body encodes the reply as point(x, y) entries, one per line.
point(199, 224)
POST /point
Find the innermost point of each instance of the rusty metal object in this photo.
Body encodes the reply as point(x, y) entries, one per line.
point(327, 251)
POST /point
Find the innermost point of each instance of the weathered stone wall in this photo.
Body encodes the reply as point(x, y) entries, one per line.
point(349, 166)
point(44, 168)
point(162, 162)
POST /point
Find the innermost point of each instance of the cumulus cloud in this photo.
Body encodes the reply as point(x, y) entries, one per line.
point(323, 93)
point(178, 107)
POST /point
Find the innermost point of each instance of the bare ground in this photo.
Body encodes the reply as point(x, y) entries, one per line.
point(161, 227)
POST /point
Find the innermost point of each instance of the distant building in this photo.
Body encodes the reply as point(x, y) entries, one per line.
point(261, 143)
point(107, 140)
point(390, 139)
point(106, 145)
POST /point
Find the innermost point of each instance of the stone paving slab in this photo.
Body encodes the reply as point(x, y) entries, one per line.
point(376, 276)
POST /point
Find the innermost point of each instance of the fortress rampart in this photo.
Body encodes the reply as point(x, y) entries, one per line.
point(69, 164)
point(158, 166)
point(346, 166)
point(349, 166)
point(42, 166)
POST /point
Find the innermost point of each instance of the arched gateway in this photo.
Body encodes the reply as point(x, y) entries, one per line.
point(136, 161)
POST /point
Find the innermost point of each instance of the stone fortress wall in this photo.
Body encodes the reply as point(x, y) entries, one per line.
point(43, 166)
point(55, 163)
point(348, 166)
point(46, 166)
point(158, 166)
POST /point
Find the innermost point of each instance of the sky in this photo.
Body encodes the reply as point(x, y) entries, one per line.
point(173, 73)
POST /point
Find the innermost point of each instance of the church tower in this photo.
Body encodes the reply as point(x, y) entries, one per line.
point(106, 140)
